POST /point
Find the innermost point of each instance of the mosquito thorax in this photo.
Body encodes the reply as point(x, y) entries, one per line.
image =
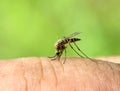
point(59, 45)
point(58, 42)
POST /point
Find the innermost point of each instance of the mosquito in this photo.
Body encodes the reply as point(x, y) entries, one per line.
point(61, 46)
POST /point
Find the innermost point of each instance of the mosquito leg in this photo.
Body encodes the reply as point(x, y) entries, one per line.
point(65, 57)
point(52, 56)
point(59, 55)
point(82, 52)
point(75, 51)
point(56, 56)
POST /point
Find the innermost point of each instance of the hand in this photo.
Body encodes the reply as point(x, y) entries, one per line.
point(42, 74)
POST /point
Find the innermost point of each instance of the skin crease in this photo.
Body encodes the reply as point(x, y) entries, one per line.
point(77, 74)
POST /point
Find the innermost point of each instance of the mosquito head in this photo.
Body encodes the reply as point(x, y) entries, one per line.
point(57, 53)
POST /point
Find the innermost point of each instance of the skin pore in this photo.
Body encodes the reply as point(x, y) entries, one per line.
point(77, 74)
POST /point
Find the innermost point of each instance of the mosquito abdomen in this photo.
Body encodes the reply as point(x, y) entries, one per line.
point(74, 40)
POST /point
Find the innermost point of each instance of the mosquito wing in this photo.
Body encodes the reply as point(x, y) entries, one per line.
point(72, 35)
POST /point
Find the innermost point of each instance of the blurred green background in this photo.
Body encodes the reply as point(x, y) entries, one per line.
point(31, 27)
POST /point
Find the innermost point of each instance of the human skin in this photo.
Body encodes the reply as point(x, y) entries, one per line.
point(77, 74)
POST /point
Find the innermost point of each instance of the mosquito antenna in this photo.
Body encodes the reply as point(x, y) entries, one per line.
point(65, 57)
point(75, 51)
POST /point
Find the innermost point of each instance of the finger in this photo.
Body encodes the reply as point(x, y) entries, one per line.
point(115, 59)
point(42, 74)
